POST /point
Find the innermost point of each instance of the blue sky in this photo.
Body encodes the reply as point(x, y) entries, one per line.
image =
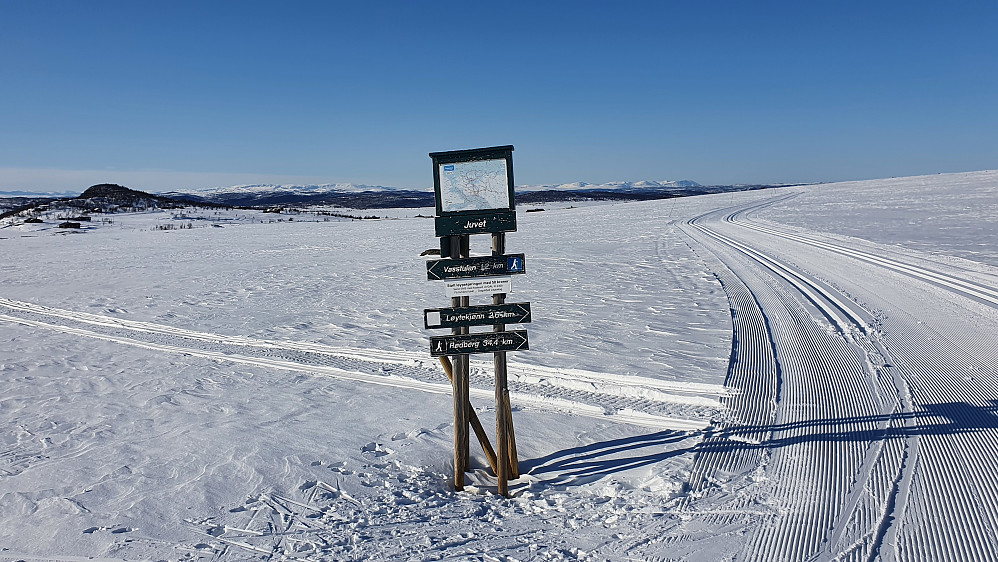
point(169, 95)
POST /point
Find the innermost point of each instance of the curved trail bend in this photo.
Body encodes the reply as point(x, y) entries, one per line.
point(867, 413)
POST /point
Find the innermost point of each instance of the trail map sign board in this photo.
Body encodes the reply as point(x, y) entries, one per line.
point(478, 185)
point(474, 191)
point(474, 195)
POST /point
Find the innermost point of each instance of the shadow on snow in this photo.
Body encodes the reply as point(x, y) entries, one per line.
point(588, 463)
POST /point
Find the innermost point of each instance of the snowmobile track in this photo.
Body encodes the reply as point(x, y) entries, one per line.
point(632, 400)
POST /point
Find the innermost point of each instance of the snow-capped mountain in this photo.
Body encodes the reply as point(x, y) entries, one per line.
point(614, 185)
point(38, 194)
point(342, 194)
point(256, 190)
point(361, 196)
point(263, 188)
point(374, 196)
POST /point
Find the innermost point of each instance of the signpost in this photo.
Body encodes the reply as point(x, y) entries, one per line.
point(473, 192)
point(488, 315)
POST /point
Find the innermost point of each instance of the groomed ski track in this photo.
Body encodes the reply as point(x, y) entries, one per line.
point(632, 400)
point(865, 426)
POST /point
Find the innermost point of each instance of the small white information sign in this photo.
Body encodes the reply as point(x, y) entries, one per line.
point(479, 286)
point(433, 318)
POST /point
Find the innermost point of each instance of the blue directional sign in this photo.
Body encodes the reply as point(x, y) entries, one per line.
point(485, 266)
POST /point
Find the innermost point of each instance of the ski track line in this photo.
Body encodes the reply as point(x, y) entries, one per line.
point(934, 476)
point(593, 409)
point(959, 285)
point(816, 370)
point(754, 373)
point(806, 286)
point(952, 495)
point(375, 356)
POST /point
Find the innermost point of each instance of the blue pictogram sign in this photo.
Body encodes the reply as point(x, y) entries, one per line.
point(514, 264)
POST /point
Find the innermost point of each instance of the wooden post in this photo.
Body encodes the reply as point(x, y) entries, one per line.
point(465, 248)
point(476, 424)
point(461, 395)
point(514, 462)
point(505, 446)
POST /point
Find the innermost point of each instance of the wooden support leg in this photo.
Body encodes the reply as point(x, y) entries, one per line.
point(476, 424)
point(509, 466)
point(514, 463)
point(460, 430)
point(502, 445)
point(460, 384)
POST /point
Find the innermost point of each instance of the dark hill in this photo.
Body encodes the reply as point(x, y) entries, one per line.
point(109, 196)
point(115, 193)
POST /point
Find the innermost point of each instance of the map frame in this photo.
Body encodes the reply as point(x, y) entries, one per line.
point(472, 155)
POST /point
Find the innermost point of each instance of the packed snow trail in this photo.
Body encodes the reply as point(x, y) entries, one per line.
point(634, 400)
point(884, 420)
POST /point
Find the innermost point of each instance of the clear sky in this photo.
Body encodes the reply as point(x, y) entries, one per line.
point(173, 94)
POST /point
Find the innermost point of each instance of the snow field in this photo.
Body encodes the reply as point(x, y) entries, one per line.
point(741, 376)
point(261, 368)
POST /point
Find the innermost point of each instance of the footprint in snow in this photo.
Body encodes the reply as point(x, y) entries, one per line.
point(376, 449)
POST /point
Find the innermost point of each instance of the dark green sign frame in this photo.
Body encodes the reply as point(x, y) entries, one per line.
point(459, 225)
point(477, 221)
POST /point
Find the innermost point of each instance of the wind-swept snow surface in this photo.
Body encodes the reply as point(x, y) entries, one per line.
point(716, 377)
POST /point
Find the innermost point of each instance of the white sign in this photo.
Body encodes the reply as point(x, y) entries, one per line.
point(479, 286)
point(433, 318)
point(474, 186)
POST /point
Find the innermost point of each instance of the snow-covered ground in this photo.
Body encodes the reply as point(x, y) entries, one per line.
point(735, 376)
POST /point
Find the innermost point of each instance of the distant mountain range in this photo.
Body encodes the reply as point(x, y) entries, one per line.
point(371, 197)
point(339, 194)
point(356, 196)
point(38, 194)
point(610, 186)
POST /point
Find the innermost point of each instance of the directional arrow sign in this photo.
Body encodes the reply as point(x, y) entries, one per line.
point(486, 266)
point(509, 313)
point(489, 342)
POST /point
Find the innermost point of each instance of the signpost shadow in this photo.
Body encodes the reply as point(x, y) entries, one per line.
point(588, 463)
